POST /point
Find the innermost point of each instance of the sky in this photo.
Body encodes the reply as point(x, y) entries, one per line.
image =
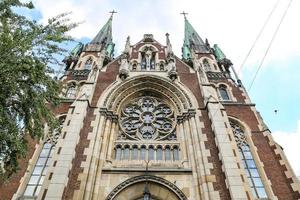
point(232, 24)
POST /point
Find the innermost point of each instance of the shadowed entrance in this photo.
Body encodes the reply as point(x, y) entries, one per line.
point(136, 187)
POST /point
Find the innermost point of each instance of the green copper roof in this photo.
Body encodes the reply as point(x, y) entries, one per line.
point(104, 37)
point(192, 41)
point(105, 34)
point(218, 53)
point(77, 50)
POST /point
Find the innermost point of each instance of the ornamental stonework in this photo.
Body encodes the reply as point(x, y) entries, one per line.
point(147, 118)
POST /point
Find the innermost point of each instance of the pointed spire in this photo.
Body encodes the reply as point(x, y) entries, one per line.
point(105, 34)
point(103, 40)
point(192, 40)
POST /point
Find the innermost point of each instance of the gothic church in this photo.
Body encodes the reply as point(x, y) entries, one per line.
point(148, 125)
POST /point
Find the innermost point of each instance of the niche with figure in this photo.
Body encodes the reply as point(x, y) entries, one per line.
point(148, 58)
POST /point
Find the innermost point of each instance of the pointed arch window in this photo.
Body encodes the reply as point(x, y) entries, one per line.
point(167, 153)
point(159, 153)
point(43, 162)
point(175, 153)
point(71, 91)
point(39, 172)
point(88, 64)
point(135, 153)
point(224, 93)
point(143, 153)
point(126, 153)
point(250, 167)
point(151, 153)
point(206, 65)
point(118, 153)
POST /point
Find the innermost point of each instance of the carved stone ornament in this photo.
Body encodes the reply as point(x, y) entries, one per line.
point(124, 67)
point(147, 118)
point(239, 135)
point(146, 178)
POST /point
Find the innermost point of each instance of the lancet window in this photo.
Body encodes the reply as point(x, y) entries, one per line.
point(224, 93)
point(88, 64)
point(42, 164)
point(249, 164)
point(206, 65)
point(71, 91)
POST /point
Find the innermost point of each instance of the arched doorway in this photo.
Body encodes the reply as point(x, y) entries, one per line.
point(136, 187)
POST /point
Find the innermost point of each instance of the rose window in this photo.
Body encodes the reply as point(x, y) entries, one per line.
point(147, 118)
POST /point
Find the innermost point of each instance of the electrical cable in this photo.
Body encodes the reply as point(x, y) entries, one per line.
point(269, 46)
point(257, 37)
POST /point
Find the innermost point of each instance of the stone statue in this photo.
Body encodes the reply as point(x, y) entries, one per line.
point(148, 57)
point(124, 67)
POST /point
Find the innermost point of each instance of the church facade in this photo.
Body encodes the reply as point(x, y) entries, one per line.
point(150, 125)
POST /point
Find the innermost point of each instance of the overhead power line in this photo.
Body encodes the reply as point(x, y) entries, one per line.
point(258, 36)
point(270, 44)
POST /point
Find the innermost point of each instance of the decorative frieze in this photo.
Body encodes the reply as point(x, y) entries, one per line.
point(79, 74)
point(217, 75)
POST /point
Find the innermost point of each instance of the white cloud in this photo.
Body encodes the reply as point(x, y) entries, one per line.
point(233, 24)
point(290, 144)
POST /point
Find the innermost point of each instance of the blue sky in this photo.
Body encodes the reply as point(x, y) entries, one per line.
point(232, 24)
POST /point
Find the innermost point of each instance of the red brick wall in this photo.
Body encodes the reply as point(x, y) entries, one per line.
point(190, 80)
point(104, 80)
point(8, 188)
point(281, 185)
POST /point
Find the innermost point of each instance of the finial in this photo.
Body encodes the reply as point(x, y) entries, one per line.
point(112, 13)
point(127, 45)
point(184, 14)
point(169, 46)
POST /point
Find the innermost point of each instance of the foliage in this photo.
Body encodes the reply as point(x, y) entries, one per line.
point(26, 84)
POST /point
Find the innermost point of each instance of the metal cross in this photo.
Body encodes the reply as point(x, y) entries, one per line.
point(113, 12)
point(184, 14)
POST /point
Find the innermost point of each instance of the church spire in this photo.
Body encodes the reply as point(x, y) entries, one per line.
point(104, 38)
point(192, 41)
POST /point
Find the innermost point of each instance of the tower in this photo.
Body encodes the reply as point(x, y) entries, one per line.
point(149, 125)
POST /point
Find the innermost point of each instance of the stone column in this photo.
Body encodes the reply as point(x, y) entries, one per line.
point(109, 130)
point(234, 181)
point(92, 155)
point(198, 151)
point(111, 138)
point(97, 154)
point(65, 151)
point(192, 152)
point(183, 141)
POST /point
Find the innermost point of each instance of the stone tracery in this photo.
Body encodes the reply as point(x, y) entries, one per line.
point(147, 118)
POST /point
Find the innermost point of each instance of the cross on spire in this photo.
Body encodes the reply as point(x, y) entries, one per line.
point(113, 12)
point(184, 14)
